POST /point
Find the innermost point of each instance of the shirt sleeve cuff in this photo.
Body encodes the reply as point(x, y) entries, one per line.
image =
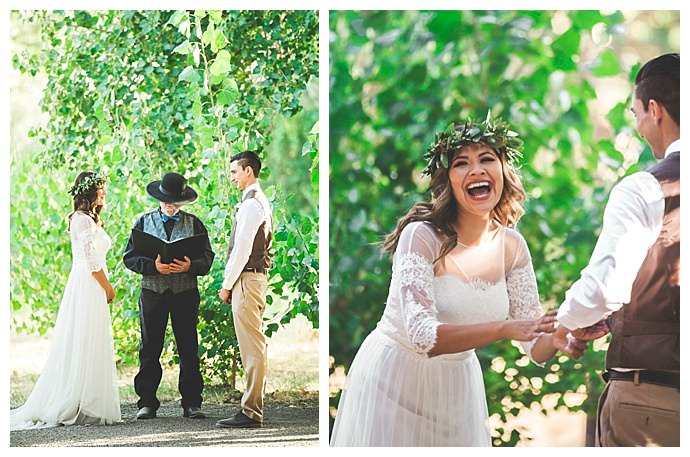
point(227, 285)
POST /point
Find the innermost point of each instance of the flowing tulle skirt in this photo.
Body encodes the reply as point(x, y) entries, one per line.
point(78, 385)
point(394, 397)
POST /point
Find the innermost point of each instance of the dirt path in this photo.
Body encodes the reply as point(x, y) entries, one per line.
point(285, 426)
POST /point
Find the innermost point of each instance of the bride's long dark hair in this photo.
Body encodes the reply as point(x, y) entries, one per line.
point(442, 210)
point(85, 196)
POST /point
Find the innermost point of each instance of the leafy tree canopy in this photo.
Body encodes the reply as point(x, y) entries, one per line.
point(138, 93)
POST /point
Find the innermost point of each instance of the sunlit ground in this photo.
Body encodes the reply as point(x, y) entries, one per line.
point(292, 368)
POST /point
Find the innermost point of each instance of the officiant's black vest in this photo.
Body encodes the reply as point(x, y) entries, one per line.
point(153, 224)
point(646, 331)
point(260, 257)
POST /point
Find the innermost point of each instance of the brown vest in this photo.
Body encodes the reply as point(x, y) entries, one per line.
point(646, 331)
point(260, 257)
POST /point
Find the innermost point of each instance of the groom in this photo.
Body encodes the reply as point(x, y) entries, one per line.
point(245, 284)
point(633, 278)
point(169, 289)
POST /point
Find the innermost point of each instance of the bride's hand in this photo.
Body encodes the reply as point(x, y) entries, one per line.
point(526, 330)
point(110, 294)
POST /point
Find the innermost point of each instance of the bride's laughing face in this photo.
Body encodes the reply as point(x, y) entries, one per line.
point(476, 177)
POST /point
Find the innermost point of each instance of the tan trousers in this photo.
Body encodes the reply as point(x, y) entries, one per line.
point(248, 305)
point(638, 415)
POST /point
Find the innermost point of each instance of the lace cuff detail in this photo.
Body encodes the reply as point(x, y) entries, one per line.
point(523, 296)
point(415, 278)
point(86, 239)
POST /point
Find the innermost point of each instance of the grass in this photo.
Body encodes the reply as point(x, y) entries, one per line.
point(292, 371)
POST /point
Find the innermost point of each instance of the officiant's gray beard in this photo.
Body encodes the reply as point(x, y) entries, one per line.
point(169, 209)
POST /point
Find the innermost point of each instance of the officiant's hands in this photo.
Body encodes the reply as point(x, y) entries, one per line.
point(163, 268)
point(177, 266)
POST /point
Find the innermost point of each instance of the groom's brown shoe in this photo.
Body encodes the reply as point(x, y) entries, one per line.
point(146, 412)
point(239, 420)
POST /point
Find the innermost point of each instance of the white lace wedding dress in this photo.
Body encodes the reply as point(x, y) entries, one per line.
point(78, 384)
point(395, 393)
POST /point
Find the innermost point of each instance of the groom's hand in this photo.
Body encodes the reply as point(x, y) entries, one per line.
point(225, 295)
point(574, 343)
point(593, 332)
point(563, 340)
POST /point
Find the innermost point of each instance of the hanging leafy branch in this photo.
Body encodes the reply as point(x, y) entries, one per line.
point(139, 93)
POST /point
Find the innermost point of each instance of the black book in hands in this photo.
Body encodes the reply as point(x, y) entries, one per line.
point(147, 245)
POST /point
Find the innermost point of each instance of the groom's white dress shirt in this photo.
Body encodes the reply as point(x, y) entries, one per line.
point(250, 215)
point(632, 223)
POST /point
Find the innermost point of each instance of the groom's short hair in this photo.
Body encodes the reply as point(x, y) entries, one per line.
point(248, 159)
point(659, 79)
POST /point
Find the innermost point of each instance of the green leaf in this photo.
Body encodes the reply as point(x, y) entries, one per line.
point(564, 48)
point(606, 64)
point(183, 48)
point(229, 92)
point(216, 15)
point(219, 41)
point(586, 19)
point(221, 64)
point(177, 18)
point(189, 74)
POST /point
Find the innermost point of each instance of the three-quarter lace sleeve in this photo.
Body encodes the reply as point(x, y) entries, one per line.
point(414, 267)
point(523, 294)
point(84, 230)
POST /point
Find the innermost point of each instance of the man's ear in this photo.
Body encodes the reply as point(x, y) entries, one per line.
point(656, 110)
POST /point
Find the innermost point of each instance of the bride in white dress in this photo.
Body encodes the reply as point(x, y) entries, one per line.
point(461, 280)
point(78, 384)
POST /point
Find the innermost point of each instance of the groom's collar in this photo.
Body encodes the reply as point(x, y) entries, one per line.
point(254, 186)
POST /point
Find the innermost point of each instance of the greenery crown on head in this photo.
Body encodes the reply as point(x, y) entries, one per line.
point(493, 132)
point(91, 182)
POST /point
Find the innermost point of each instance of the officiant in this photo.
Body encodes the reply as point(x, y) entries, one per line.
point(169, 289)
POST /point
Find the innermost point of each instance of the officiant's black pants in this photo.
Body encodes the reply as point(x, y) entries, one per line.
point(154, 309)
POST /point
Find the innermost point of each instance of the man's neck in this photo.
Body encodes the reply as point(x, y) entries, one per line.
point(249, 185)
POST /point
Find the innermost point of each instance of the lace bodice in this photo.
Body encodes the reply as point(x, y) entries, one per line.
point(491, 282)
point(90, 243)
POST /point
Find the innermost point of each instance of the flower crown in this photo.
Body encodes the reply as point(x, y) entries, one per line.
point(493, 132)
point(88, 183)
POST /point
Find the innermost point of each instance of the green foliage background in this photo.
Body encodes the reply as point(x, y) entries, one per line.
point(399, 76)
point(140, 93)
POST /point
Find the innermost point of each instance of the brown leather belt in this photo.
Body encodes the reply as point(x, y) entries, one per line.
point(661, 378)
point(255, 270)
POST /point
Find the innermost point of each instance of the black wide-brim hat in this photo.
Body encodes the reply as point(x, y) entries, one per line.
point(173, 189)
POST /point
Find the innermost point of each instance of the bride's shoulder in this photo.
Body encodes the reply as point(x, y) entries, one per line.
point(420, 237)
point(421, 229)
point(512, 235)
point(515, 247)
point(83, 220)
